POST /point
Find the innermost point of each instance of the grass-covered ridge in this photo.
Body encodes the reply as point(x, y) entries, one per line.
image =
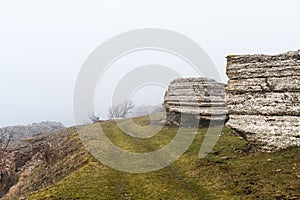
point(228, 172)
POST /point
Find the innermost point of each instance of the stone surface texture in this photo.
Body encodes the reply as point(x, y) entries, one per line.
point(263, 99)
point(189, 101)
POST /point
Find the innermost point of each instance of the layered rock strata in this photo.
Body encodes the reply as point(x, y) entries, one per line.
point(194, 102)
point(263, 99)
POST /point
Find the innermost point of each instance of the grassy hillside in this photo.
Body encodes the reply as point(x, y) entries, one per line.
point(230, 171)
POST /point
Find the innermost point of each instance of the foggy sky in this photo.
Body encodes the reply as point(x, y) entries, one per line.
point(43, 44)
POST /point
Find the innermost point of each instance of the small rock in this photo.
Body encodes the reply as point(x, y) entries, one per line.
point(224, 158)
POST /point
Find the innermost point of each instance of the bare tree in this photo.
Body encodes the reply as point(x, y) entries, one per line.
point(120, 110)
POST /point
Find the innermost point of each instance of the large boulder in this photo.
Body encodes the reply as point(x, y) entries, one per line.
point(263, 99)
point(189, 101)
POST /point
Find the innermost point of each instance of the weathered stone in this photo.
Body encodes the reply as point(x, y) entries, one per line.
point(268, 133)
point(269, 103)
point(190, 100)
point(263, 99)
point(276, 84)
point(254, 66)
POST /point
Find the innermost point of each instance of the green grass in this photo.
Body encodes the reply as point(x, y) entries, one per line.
point(228, 172)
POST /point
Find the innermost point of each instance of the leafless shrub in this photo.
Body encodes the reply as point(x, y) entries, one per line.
point(120, 110)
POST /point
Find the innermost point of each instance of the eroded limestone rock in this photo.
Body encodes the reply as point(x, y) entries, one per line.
point(263, 99)
point(190, 100)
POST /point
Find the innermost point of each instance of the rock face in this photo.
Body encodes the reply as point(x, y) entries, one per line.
point(19, 132)
point(263, 99)
point(189, 100)
point(15, 152)
point(40, 161)
point(15, 157)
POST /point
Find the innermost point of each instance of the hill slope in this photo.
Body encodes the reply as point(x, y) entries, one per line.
point(38, 167)
point(230, 171)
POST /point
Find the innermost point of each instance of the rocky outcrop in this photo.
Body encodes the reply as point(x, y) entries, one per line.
point(263, 99)
point(189, 101)
point(40, 161)
point(19, 132)
point(16, 156)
